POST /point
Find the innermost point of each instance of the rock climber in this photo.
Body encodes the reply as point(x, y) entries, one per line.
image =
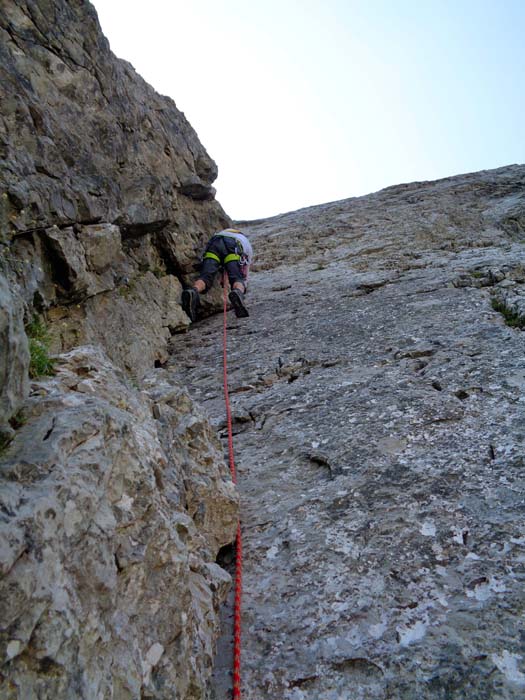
point(230, 250)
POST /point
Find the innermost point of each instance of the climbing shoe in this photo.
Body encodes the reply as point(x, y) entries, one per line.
point(237, 302)
point(190, 302)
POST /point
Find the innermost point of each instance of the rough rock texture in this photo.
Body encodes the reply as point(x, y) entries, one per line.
point(378, 404)
point(106, 194)
point(378, 401)
point(14, 354)
point(113, 507)
point(84, 137)
point(115, 498)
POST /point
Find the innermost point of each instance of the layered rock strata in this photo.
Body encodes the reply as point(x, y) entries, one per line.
point(106, 193)
point(115, 498)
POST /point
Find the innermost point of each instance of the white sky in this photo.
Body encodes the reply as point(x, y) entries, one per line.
point(307, 101)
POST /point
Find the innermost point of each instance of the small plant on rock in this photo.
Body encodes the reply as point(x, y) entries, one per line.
point(41, 364)
point(512, 319)
point(18, 420)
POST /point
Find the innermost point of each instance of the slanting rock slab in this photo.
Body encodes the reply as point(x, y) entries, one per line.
point(114, 504)
point(379, 446)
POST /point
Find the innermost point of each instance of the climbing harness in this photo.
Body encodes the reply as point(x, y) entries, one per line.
point(236, 693)
point(229, 258)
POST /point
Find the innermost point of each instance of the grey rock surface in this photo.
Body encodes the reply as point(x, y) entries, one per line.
point(14, 355)
point(113, 507)
point(84, 138)
point(379, 420)
point(115, 500)
point(115, 497)
point(378, 406)
point(106, 197)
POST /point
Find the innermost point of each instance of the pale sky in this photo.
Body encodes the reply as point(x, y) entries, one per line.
point(308, 101)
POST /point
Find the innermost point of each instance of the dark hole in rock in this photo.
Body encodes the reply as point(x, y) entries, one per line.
point(60, 271)
point(17, 421)
point(83, 371)
point(38, 302)
point(226, 557)
point(47, 665)
point(462, 395)
point(437, 386)
point(298, 682)
point(480, 581)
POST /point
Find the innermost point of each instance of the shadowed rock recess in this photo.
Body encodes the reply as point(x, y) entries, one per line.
point(377, 396)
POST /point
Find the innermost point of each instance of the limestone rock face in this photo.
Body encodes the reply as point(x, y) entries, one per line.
point(85, 138)
point(378, 400)
point(14, 355)
point(85, 259)
point(106, 196)
point(114, 505)
point(377, 396)
point(115, 497)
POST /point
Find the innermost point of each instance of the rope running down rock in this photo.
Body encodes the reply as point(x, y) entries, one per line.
point(236, 693)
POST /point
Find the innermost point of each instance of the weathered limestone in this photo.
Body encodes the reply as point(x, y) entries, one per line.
point(114, 505)
point(14, 356)
point(101, 181)
point(155, 306)
point(115, 497)
point(85, 138)
point(85, 260)
point(378, 401)
point(377, 397)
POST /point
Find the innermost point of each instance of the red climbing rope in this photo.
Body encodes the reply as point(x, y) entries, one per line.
point(236, 694)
